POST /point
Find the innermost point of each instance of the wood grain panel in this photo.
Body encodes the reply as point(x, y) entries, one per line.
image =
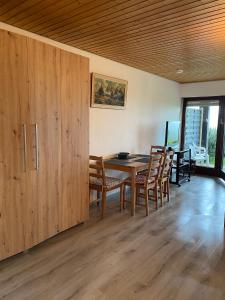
point(13, 86)
point(151, 25)
point(67, 8)
point(58, 101)
point(84, 137)
point(159, 37)
point(153, 15)
point(44, 185)
point(45, 137)
point(74, 167)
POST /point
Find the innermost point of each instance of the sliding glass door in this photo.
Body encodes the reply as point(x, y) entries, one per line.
point(223, 162)
point(222, 123)
point(203, 132)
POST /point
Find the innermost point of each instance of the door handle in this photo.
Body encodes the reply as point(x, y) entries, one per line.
point(36, 146)
point(24, 128)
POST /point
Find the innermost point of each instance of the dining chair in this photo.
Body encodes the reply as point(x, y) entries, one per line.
point(164, 178)
point(154, 150)
point(147, 181)
point(101, 183)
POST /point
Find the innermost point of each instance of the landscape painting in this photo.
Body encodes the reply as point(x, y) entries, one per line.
point(108, 92)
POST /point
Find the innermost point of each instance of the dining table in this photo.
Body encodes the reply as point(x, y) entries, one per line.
point(132, 165)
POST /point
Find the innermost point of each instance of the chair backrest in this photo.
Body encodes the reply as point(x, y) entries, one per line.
point(167, 164)
point(155, 165)
point(157, 149)
point(96, 169)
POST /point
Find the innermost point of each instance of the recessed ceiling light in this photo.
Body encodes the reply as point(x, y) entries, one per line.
point(180, 71)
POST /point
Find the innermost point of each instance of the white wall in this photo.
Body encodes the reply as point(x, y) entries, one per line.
point(201, 89)
point(152, 101)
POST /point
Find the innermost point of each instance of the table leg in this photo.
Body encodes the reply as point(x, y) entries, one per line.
point(133, 193)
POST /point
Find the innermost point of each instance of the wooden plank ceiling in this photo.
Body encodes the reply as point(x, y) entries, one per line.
point(183, 40)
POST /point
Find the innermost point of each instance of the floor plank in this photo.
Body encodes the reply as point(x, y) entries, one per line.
point(175, 253)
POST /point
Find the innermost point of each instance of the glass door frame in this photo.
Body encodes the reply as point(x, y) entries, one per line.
point(217, 170)
point(221, 138)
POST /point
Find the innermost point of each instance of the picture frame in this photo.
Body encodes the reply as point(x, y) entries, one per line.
point(108, 92)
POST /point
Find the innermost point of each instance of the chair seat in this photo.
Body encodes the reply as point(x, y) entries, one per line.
point(139, 179)
point(144, 172)
point(111, 182)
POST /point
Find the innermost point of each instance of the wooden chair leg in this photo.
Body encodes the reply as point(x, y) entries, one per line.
point(124, 196)
point(103, 202)
point(98, 197)
point(137, 193)
point(161, 193)
point(165, 189)
point(121, 197)
point(156, 196)
point(89, 196)
point(168, 189)
point(146, 202)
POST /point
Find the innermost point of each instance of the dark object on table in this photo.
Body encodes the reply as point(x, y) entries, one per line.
point(123, 155)
point(181, 169)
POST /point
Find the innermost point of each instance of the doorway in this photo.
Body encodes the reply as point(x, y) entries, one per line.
point(203, 132)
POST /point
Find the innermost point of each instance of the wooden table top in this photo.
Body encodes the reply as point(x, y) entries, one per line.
point(135, 161)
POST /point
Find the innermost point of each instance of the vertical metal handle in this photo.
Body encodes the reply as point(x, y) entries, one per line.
point(24, 147)
point(36, 145)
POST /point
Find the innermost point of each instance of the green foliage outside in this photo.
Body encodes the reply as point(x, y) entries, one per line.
point(212, 161)
point(212, 146)
point(212, 141)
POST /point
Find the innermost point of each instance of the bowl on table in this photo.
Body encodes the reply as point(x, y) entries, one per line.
point(123, 155)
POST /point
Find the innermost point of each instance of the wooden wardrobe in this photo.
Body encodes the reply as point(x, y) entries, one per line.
point(44, 121)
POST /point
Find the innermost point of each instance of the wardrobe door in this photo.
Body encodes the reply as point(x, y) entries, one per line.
point(44, 147)
point(74, 204)
point(13, 96)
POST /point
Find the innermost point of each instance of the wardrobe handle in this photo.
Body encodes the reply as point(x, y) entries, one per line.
point(36, 145)
point(24, 147)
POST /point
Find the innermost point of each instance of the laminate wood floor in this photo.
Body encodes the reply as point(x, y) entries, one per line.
point(175, 253)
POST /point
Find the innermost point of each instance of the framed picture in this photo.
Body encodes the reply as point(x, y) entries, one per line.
point(108, 92)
